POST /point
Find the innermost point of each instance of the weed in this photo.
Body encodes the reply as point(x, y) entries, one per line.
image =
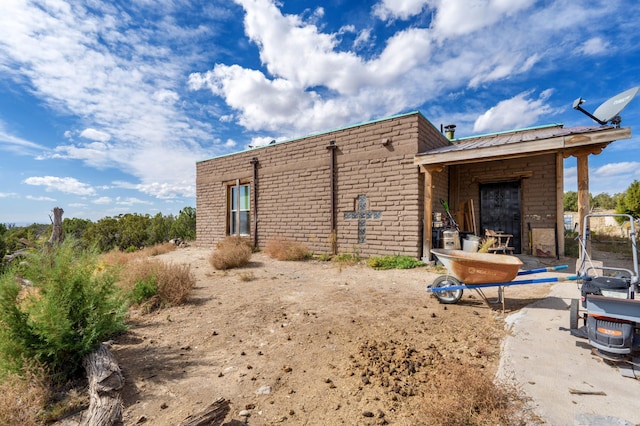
point(324, 257)
point(465, 395)
point(232, 252)
point(23, 397)
point(394, 262)
point(247, 276)
point(346, 258)
point(283, 249)
point(154, 283)
point(158, 249)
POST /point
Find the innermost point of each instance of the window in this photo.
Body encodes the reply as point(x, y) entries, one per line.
point(239, 204)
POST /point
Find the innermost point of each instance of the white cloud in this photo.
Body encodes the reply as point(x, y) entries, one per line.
point(32, 198)
point(462, 17)
point(103, 201)
point(398, 9)
point(130, 201)
point(593, 46)
point(519, 111)
point(17, 145)
point(63, 184)
point(8, 194)
point(124, 81)
point(625, 168)
point(95, 135)
point(308, 83)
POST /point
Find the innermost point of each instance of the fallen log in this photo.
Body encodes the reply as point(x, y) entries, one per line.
point(105, 383)
point(213, 415)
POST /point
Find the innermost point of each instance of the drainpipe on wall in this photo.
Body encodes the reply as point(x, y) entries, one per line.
point(254, 162)
point(334, 242)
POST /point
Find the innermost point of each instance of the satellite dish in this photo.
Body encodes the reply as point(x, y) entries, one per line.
point(609, 110)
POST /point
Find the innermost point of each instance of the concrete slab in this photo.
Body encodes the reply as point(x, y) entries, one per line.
point(543, 359)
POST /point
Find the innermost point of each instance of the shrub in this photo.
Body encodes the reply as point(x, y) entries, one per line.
point(232, 252)
point(160, 283)
point(394, 262)
point(158, 249)
point(464, 395)
point(175, 283)
point(144, 289)
point(23, 397)
point(346, 258)
point(72, 307)
point(283, 249)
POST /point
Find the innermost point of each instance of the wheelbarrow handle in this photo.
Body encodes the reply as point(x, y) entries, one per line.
point(548, 269)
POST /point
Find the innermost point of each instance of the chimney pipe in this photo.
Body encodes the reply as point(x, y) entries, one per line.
point(450, 130)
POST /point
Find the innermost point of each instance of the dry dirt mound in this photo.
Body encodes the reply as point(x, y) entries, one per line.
point(304, 343)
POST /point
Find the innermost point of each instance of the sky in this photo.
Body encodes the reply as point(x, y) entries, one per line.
point(105, 107)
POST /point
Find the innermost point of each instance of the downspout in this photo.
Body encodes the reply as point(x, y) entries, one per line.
point(332, 190)
point(254, 163)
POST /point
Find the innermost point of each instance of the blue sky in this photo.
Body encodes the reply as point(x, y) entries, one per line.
point(105, 107)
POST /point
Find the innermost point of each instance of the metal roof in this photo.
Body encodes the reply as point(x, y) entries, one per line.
point(551, 138)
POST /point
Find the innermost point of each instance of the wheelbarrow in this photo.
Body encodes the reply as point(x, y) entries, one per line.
point(475, 271)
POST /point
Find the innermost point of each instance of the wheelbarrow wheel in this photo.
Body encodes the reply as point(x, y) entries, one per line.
point(574, 314)
point(447, 297)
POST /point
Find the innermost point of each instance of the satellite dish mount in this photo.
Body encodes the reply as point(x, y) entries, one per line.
point(609, 111)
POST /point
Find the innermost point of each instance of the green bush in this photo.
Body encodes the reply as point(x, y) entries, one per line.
point(394, 262)
point(70, 306)
point(144, 289)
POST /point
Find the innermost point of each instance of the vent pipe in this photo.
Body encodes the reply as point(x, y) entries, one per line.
point(450, 131)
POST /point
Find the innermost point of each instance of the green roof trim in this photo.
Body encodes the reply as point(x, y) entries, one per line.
point(324, 132)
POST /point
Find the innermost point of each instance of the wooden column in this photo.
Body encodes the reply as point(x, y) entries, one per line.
point(428, 211)
point(428, 214)
point(583, 194)
point(560, 202)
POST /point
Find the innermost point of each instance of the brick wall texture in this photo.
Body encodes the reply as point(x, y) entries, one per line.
point(294, 188)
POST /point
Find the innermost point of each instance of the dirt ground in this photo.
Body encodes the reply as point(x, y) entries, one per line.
point(304, 343)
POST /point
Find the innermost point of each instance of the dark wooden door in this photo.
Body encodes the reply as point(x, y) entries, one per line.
point(500, 210)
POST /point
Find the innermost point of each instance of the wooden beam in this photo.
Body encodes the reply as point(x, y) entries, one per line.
point(586, 150)
point(502, 177)
point(560, 202)
point(583, 196)
point(428, 214)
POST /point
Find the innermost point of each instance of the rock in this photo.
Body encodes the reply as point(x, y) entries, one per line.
point(264, 390)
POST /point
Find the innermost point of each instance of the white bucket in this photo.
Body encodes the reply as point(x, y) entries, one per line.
point(451, 240)
point(470, 245)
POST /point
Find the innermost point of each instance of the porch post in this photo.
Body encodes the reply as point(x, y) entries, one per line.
point(428, 214)
point(583, 195)
point(559, 203)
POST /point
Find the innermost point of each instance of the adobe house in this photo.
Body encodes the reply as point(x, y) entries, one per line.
point(367, 188)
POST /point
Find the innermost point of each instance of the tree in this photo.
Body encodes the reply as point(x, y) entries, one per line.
point(159, 228)
point(603, 201)
point(75, 227)
point(629, 203)
point(571, 201)
point(3, 244)
point(133, 230)
point(103, 234)
point(185, 225)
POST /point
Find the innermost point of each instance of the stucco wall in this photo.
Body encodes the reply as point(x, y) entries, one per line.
point(294, 182)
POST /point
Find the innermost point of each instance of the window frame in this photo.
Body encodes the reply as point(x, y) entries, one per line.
point(239, 208)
